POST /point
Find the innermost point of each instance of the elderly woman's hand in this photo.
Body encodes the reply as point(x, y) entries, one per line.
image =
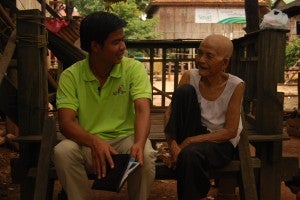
point(186, 142)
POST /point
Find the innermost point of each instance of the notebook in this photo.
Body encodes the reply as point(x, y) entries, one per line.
point(117, 176)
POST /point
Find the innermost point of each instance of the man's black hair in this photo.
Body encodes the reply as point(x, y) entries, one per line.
point(97, 26)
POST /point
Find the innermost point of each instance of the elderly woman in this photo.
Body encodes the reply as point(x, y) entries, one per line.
point(203, 122)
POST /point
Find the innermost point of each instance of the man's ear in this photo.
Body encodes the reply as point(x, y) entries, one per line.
point(95, 46)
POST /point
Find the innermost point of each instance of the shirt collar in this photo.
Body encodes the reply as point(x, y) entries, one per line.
point(89, 76)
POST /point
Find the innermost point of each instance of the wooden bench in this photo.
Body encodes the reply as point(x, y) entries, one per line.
point(239, 172)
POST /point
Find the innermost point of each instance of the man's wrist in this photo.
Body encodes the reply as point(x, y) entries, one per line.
point(92, 140)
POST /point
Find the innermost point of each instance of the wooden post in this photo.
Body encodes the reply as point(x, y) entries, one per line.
point(32, 91)
point(32, 78)
point(269, 110)
point(69, 9)
point(299, 90)
point(252, 16)
point(270, 72)
point(7, 55)
point(169, 64)
point(48, 140)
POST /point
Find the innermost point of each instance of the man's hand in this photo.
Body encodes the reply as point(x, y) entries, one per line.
point(101, 153)
point(137, 152)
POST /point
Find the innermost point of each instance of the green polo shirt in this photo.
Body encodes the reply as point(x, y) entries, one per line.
point(107, 112)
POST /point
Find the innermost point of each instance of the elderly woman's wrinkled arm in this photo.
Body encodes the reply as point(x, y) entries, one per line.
point(231, 124)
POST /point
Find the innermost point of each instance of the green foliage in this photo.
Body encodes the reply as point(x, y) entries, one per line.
point(136, 27)
point(142, 4)
point(138, 53)
point(88, 6)
point(292, 52)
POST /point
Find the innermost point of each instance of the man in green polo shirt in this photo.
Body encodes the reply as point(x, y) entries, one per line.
point(103, 106)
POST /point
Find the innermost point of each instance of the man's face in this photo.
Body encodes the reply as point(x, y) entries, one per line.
point(208, 60)
point(113, 49)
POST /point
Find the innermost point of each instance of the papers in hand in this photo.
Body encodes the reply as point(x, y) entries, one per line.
point(117, 176)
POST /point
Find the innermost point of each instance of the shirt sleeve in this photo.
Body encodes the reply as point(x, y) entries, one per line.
point(66, 96)
point(140, 86)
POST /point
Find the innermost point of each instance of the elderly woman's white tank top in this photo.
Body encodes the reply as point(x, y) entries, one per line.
point(213, 113)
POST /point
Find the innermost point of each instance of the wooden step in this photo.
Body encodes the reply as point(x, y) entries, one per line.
point(163, 172)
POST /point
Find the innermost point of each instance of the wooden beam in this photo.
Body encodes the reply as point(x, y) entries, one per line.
point(48, 140)
point(50, 10)
point(298, 91)
point(6, 16)
point(252, 15)
point(32, 89)
point(51, 81)
point(32, 77)
point(10, 4)
point(7, 55)
point(67, 53)
point(8, 100)
point(247, 172)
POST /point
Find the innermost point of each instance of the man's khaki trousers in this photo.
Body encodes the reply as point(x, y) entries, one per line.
point(73, 162)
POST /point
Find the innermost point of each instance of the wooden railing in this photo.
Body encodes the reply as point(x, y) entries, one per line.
point(259, 60)
point(166, 61)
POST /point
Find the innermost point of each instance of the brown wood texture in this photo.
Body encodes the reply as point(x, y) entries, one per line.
point(259, 60)
point(32, 90)
point(8, 100)
point(179, 23)
point(298, 91)
point(7, 55)
point(270, 71)
point(47, 143)
point(157, 128)
point(6, 17)
point(70, 33)
point(248, 186)
point(252, 15)
point(67, 53)
point(32, 77)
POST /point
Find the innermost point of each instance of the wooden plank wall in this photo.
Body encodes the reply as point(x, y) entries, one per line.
point(293, 27)
point(179, 23)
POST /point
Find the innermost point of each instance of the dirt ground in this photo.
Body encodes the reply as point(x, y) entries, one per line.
point(162, 189)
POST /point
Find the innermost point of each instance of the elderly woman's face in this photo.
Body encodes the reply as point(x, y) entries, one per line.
point(209, 60)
